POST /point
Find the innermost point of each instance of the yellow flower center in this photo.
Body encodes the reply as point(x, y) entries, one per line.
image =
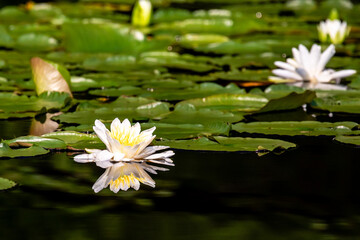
point(125, 180)
point(127, 137)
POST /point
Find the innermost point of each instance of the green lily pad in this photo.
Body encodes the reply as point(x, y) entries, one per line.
point(181, 131)
point(232, 47)
point(6, 151)
point(232, 144)
point(6, 183)
point(201, 90)
point(187, 113)
point(229, 102)
point(116, 92)
point(77, 140)
point(292, 128)
point(36, 42)
point(39, 141)
point(337, 104)
point(291, 101)
point(11, 104)
point(355, 140)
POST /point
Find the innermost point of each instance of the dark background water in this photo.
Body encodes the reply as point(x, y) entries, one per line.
point(310, 192)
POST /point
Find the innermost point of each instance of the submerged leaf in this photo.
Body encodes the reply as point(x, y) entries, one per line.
point(6, 183)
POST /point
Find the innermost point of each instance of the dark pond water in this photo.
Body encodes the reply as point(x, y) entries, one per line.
point(310, 192)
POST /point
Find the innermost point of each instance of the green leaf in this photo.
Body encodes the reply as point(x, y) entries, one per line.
point(39, 141)
point(187, 113)
point(292, 128)
point(180, 131)
point(11, 104)
point(337, 104)
point(77, 140)
point(291, 101)
point(6, 151)
point(200, 90)
point(232, 144)
point(355, 140)
point(230, 102)
point(36, 42)
point(6, 183)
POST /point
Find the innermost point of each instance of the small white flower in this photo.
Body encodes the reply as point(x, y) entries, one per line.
point(333, 31)
point(309, 66)
point(126, 146)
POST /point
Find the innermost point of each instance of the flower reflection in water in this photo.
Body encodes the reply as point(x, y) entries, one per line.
point(127, 157)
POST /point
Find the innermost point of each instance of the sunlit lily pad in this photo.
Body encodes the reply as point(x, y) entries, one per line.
point(6, 151)
point(228, 144)
point(76, 140)
point(36, 42)
point(39, 141)
point(338, 104)
point(292, 128)
point(6, 183)
point(187, 113)
point(230, 102)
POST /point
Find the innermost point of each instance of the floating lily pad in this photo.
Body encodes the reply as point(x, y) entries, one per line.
point(232, 144)
point(187, 113)
point(11, 104)
point(77, 140)
point(36, 42)
point(181, 131)
point(39, 141)
point(338, 104)
point(229, 102)
point(6, 151)
point(355, 140)
point(292, 128)
point(6, 183)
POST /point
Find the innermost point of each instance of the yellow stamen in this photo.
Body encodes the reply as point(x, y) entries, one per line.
point(127, 137)
point(125, 179)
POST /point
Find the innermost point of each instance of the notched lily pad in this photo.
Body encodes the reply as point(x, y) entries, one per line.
point(6, 151)
point(230, 144)
point(39, 141)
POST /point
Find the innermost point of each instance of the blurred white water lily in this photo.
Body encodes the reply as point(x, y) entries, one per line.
point(333, 31)
point(126, 156)
point(309, 66)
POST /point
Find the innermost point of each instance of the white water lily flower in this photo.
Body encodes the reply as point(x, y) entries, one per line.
point(333, 31)
point(309, 66)
point(125, 145)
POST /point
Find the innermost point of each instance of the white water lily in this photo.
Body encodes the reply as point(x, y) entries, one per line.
point(333, 31)
point(309, 66)
point(126, 146)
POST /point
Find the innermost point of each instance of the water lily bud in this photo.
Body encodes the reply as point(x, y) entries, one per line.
point(333, 31)
point(334, 14)
point(141, 14)
point(49, 76)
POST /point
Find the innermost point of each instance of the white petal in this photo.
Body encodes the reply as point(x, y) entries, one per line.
point(161, 155)
point(84, 158)
point(325, 57)
point(104, 155)
point(286, 74)
point(342, 73)
point(150, 150)
point(115, 125)
point(284, 65)
point(104, 164)
point(118, 156)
